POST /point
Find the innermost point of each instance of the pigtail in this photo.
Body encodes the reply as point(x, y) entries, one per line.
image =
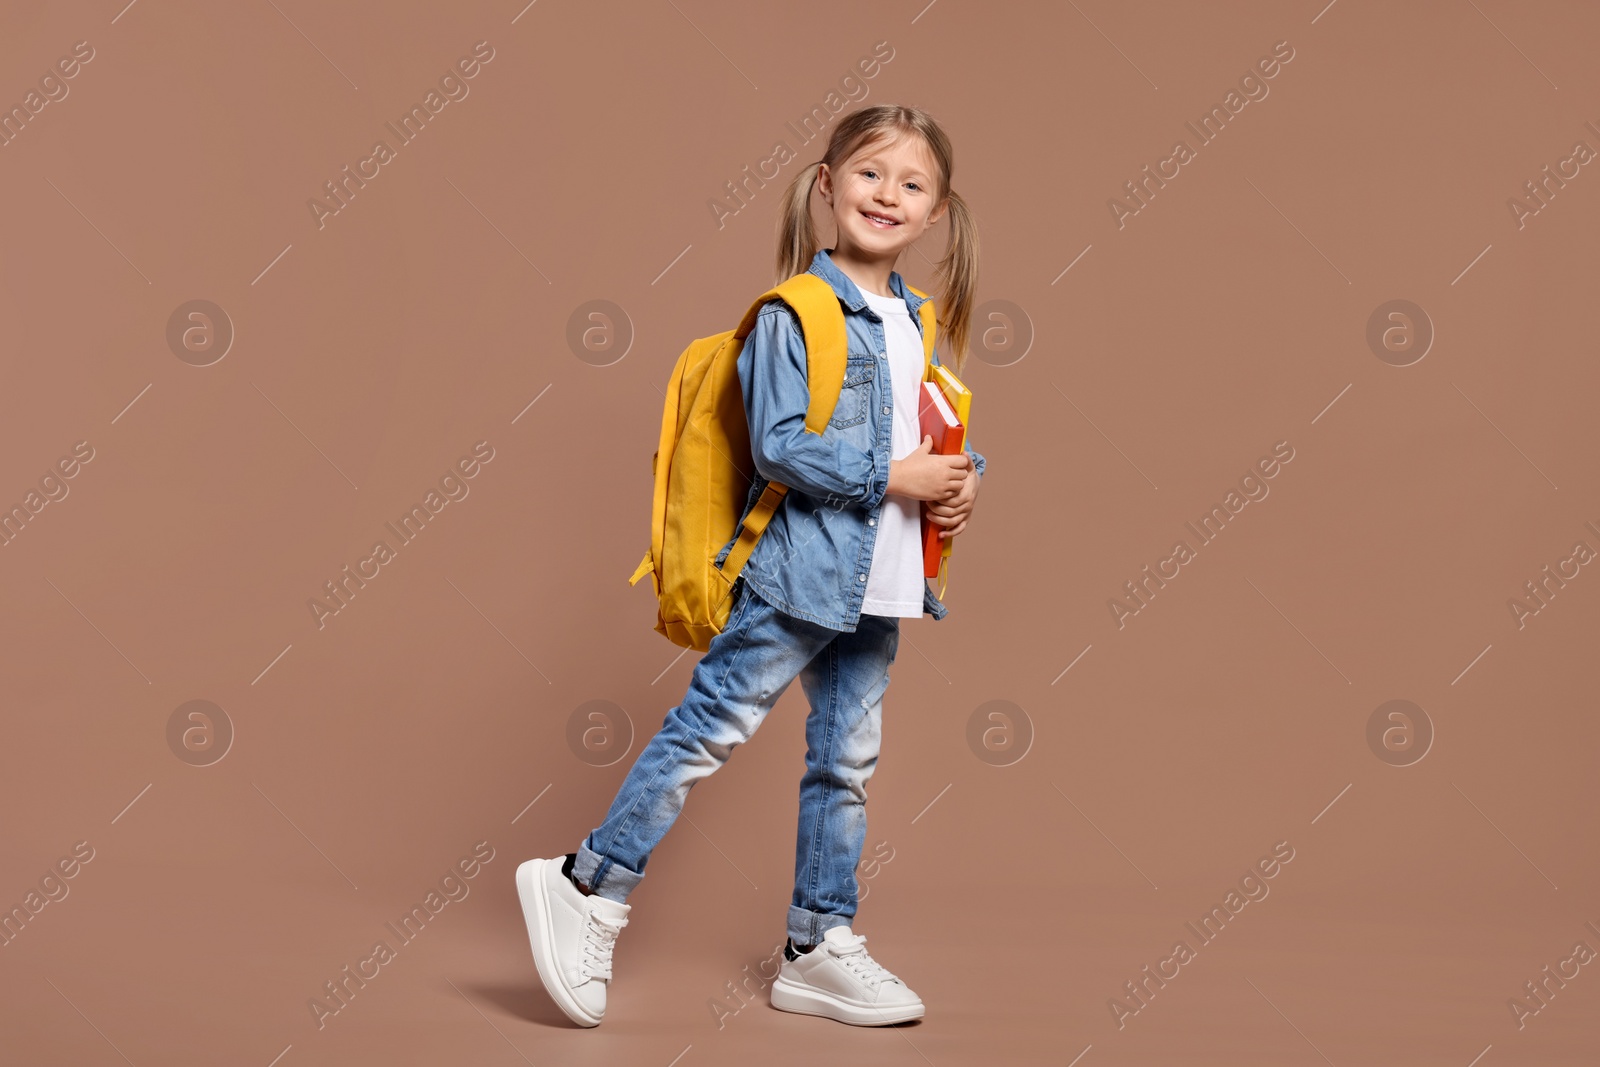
point(958, 272)
point(797, 230)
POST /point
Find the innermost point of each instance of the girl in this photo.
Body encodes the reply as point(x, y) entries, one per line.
point(820, 597)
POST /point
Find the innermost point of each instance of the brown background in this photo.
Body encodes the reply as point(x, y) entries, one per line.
point(370, 755)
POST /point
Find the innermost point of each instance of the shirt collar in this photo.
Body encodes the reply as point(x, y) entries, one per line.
point(847, 290)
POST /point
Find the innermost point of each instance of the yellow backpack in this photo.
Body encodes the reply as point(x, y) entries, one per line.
point(703, 470)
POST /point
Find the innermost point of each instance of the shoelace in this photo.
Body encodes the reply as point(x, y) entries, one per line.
point(599, 937)
point(855, 957)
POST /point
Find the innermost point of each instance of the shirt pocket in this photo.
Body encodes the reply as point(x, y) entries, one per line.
point(855, 395)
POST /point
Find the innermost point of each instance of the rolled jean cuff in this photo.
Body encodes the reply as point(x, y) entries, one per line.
point(807, 927)
point(606, 878)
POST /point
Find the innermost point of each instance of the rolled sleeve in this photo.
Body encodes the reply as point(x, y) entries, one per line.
point(978, 462)
point(772, 374)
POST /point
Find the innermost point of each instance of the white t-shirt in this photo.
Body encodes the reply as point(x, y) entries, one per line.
point(895, 584)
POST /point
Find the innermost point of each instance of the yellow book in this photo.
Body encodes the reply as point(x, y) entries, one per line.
point(959, 396)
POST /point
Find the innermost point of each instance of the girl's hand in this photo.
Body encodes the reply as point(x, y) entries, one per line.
point(954, 512)
point(925, 475)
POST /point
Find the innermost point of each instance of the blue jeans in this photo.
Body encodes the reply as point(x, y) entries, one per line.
point(742, 674)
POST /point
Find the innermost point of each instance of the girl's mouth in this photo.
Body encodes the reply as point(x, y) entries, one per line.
point(879, 221)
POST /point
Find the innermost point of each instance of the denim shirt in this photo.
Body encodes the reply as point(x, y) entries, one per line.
point(813, 558)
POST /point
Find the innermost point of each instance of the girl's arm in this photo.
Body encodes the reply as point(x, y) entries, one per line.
point(772, 373)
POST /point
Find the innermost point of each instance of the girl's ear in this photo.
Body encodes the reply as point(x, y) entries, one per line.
point(938, 213)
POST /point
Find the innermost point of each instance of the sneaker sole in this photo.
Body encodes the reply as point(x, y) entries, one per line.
point(803, 1000)
point(536, 913)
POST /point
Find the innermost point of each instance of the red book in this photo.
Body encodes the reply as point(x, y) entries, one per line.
point(938, 420)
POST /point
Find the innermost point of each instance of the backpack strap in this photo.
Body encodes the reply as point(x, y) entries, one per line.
point(822, 326)
point(930, 326)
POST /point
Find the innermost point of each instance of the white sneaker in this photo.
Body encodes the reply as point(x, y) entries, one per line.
point(837, 979)
point(572, 935)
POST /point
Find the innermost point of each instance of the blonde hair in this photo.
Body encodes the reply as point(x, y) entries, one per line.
point(958, 270)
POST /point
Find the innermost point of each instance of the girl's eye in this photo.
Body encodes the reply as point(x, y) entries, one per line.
point(874, 173)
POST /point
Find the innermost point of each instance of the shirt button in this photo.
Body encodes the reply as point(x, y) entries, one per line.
point(861, 577)
point(872, 522)
point(886, 409)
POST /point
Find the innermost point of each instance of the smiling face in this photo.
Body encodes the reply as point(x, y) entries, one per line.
point(882, 198)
